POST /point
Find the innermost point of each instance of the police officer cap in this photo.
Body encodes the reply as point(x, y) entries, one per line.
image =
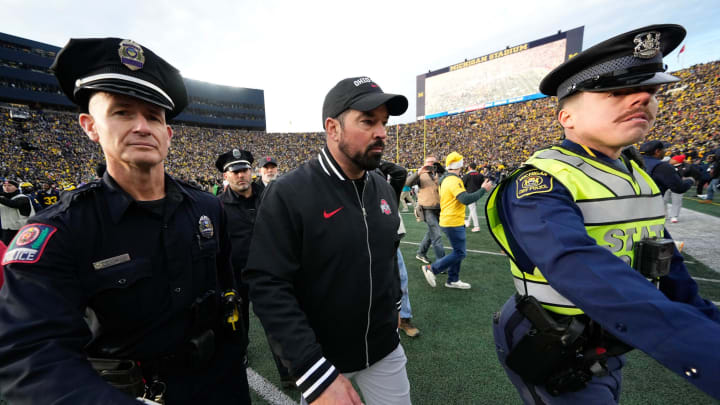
point(234, 160)
point(118, 66)
point(632, 59)
point(362, 94)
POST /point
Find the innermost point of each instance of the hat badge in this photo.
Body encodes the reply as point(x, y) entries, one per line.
point(647, 45)
point(131, 54)
point(236, 153)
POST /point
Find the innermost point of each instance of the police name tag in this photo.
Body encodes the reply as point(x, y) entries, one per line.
point(103, 264)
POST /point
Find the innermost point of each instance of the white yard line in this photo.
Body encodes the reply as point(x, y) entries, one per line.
point(469, 250)
point(267, 390)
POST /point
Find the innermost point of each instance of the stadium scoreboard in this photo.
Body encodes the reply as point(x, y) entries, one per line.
point(507, 76)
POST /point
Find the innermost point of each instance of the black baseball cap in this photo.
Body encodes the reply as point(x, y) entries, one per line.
point(632, 59)
point(119, 66)
point(362, 94)
point(649, 147)
point(267, 160)
point(234, 160)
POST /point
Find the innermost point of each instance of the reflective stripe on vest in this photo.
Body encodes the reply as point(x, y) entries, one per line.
point(618, 209)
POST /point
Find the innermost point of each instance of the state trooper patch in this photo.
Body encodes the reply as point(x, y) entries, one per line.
point(533, 182)
point(29, 244)
point(205, 226)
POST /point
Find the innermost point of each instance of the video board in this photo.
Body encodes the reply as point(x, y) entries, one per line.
point(507, 76)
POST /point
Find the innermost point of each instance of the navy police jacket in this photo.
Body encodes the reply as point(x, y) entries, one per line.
point(672, 324)
point(99, 255)
point(323, 272)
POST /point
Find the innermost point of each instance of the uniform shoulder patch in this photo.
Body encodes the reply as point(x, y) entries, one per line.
point(533, 182)
point(29, 244)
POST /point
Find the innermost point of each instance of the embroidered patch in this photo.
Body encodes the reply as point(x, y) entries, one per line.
point(533, 182)
point(385, 207)
point(29, 244)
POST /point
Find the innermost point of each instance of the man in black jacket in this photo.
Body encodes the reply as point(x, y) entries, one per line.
point(472, 181)
point(322, 269)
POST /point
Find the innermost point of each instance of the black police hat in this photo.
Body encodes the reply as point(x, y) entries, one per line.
point(118, 66)
point(362, 94)
point(632, 59)
point(234, 160)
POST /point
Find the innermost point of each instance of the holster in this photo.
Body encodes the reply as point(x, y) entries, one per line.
point(124, 375)
point(561, 353)
point(548, 347)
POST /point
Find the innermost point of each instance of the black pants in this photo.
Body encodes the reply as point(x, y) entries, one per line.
point(223, 382)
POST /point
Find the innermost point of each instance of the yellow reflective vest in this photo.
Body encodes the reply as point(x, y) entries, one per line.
point(618, 210)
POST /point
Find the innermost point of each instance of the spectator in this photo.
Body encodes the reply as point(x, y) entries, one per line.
point(15, 209)
point(453, 199)
point(428, 206)
point(664, 174)
point(472, 181)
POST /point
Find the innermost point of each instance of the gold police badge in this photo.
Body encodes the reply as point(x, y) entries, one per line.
point(647, 45)
point(131, 54)
point(533, 182)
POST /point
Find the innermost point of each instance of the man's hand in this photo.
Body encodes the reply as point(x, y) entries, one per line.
point(340, 392)
point(424, 169)
point(487, 185)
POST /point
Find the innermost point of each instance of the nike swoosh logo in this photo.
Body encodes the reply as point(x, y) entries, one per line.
point(329, 214)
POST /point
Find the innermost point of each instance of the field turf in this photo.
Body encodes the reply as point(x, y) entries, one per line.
point(454, 361)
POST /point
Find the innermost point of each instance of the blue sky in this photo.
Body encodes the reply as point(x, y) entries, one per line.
point(296, 51)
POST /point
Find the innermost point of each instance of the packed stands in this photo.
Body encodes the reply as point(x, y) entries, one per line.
point(49, 145)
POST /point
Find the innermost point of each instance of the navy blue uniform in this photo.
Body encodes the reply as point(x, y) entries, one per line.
point(101, 275)
point(674, 325)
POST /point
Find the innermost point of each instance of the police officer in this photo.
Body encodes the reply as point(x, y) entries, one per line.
point(577, 219)
point(124, 288)
point(241, 200)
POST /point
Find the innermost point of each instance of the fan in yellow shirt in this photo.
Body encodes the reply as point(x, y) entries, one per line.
point(453, 199)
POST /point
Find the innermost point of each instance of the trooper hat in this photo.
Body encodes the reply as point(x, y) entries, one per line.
point(362, 94)
point(118, 66)
point(632, 59)
point(234, 160)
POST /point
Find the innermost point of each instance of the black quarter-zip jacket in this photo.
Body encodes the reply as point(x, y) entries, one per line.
point(323, 271)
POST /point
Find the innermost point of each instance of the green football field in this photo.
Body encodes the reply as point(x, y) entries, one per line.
point(454, 361)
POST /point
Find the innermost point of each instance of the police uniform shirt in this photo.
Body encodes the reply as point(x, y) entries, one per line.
point(546, 230)
point(138, 267)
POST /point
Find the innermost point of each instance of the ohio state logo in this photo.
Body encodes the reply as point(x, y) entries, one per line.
point(385, 207)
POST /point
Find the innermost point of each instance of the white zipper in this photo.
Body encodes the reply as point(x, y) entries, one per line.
point(367, 241)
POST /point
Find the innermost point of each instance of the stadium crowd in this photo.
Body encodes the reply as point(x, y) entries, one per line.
point(50, 146)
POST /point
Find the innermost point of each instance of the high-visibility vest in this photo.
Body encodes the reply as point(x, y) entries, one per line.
point(618, 210)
